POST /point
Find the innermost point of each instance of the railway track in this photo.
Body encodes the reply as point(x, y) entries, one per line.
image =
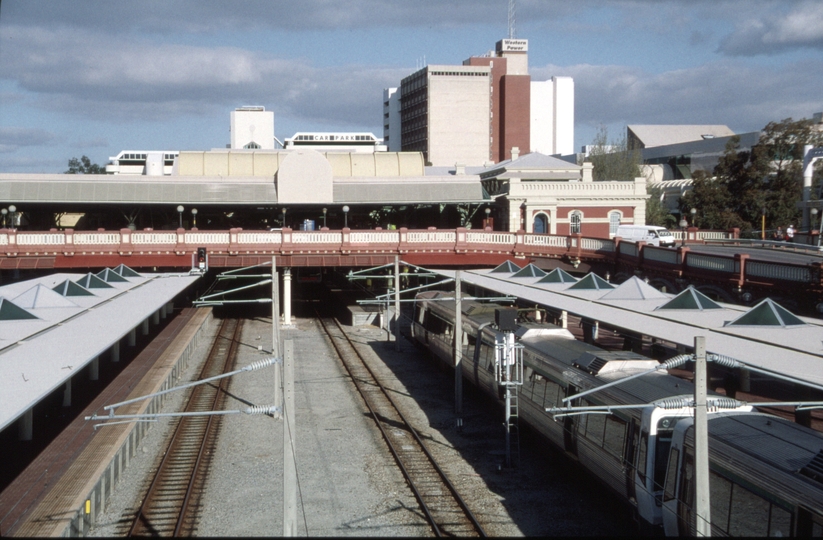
point(441, 504)
point(171, 503)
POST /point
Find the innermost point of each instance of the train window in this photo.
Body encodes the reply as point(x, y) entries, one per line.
point(721, 496)
point(780, 522)
point(817, 527)
point(747, 513)
point(615, 436)
point(552, 394)
point(594, 431)
point(671, 476)
point(661, 453)
point(641, 456)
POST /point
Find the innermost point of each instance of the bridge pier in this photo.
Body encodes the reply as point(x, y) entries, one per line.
point(286, 296)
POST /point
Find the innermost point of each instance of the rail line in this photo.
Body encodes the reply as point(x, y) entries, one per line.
point(443, 507)
point(170, 505)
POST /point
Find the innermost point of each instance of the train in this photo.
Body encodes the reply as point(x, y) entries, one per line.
point(766, 472)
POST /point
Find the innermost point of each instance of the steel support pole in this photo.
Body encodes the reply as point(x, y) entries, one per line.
point(276, 347)
point(289, 463)
point(396, 303)
point(701, 441)
point(287, 296)
point(458, 351)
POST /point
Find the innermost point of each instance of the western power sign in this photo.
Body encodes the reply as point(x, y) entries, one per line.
point(513, 45)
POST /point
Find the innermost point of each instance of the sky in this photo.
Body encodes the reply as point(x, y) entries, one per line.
point(94, 77)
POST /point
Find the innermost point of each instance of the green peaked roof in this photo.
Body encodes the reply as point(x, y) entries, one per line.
point(691, 298)
point(13, 312)
point(70, 288)
point(558, 275)
point(109, 276)
point(767, 313)
point(530, 270)
point(507, 267)
point(125, 271)
point(592, 281)
point(90, 281)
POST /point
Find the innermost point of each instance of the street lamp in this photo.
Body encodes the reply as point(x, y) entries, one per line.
point(693, 212)
point(683, 225)
point(194, 218)
point(12, 210)
point(284, 217)
point(324, 217)
point(345, 216)
point(4, 212)
point(180, 212)
point(488, 214)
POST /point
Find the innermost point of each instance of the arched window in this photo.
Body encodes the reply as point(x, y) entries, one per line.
point(575, 220)
point(614, 222)
point(541, 224)
point(252, 146)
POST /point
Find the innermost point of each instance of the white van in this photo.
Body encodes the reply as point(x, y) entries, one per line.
point(651, 234)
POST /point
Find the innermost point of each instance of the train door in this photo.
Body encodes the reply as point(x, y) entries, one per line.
point(569, 427)
point(629, 463)
point(644, 470)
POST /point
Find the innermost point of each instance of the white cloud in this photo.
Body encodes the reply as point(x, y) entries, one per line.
point(772, 33)
point(742, 97)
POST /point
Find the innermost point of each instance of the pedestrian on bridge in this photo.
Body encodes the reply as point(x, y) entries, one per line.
point(790, 233)
point(778, 235)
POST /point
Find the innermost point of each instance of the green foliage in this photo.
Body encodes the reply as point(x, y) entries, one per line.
point(84, 166)
point(768, 177)
point(656, 211)
point(613, 160)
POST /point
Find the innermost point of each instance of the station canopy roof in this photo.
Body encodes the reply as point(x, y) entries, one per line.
point(53, 326)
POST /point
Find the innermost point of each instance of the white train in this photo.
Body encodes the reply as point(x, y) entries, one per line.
point(766, 472)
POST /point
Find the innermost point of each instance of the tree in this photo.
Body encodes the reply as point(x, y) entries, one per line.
point(613, 160)
point(768, 177)
point(656, 211)
point(84, 166)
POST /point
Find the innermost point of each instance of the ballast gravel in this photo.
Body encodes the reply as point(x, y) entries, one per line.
point(348, 483)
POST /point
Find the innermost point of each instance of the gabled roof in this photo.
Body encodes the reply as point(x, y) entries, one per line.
point(70, 288)
point(506, 267)
point(634, 288)
point(90, 281)
point(591, 281)
point(10, 311)
point(110, 276)
point(691, 298)
point(532, 163)
point(41, 296)
point(530, 270)
point(125, 271)
point(767, 313)
point(558, 275)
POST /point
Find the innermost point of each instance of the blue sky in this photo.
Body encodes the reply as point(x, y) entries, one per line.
point(93, 77)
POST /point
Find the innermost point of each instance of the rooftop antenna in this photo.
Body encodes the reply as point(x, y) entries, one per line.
point(512, 10)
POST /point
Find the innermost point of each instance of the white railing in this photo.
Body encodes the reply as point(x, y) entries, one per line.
point(4, 239)
point(778, 271)
point(504, 238)
point(433, 237)
point(374, 237)
point(710, 263)
point(50, 239)
point(546, 240)
point(97, 238)
point(275, 237)
point(318, 237)
point(713, 235)
point(206, 238)
point(598, 244)
point(141, 238)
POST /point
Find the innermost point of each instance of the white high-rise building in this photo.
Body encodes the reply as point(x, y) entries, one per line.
point(552, 116)
point(391, 119)
point(252, 128)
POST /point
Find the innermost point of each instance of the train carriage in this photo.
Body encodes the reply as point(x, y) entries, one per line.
point(627, 449)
